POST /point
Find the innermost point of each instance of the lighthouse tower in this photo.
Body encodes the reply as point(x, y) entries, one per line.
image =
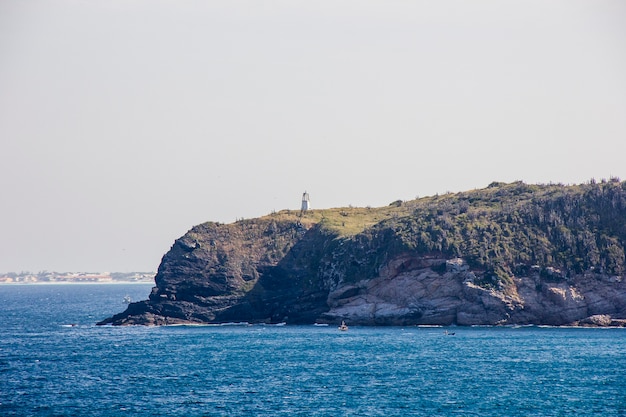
point(306, 202)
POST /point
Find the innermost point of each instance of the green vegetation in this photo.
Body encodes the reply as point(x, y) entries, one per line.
point(345, 221)
point(504, 228)
point(502, 231)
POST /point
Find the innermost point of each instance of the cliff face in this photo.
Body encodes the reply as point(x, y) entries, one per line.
point(508, 254)
point(256, 270)
point(414, 290)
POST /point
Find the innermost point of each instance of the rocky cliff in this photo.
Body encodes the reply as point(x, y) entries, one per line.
point(506, 254)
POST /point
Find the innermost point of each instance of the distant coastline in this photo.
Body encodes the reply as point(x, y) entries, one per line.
point(46, 277)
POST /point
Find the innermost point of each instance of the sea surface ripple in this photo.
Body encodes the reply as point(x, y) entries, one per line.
point(54, 361)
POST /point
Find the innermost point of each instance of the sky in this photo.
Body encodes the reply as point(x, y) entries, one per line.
point(124, 123)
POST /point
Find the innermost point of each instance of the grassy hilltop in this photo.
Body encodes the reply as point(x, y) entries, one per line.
point(572, 228)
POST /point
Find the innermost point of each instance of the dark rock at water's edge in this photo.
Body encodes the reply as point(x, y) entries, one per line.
point(506, 254)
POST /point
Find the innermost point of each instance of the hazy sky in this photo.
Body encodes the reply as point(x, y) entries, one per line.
point(123, 123)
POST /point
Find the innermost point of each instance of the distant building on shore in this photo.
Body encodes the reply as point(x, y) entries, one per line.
point(75, 277)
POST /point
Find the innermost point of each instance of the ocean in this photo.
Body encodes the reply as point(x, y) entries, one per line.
point(54, 361)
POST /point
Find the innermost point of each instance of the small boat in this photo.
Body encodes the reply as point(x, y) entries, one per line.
point(343, 326)
point(449, 333)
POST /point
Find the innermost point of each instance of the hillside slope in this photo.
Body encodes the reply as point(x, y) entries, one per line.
point(507, 254)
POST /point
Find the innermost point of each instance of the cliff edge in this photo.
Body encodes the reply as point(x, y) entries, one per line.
point(507, 254)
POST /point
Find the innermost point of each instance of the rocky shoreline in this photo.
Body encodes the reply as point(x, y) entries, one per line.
point(409, 291)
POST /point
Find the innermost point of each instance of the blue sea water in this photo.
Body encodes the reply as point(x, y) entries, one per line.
point(54, 361)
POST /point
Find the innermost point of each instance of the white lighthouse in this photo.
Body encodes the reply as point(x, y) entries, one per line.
point(306, 202)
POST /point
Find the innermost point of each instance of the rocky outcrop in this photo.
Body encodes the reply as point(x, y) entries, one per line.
point(408, 290)
point(243, 271)
point(424, 296)
point(449, 261)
